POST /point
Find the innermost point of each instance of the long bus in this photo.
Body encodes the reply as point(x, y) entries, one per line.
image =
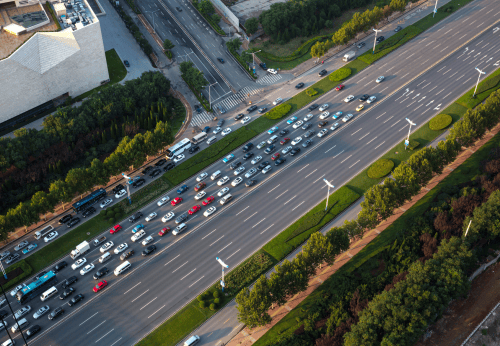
point(36, 288)
point(178, 148)
point(199, 138)
point(89, 200)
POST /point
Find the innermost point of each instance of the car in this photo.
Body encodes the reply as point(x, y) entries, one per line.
point(69, 281)
point(380, 38)
point(59, 266)
point(307, 143)
point(279, 161)
point(15, 290)
point(263, 165)
point(247, 156)
point(78, 263)
point(277, 101)
point(115, 229)
point(272, 71)
point(261, 145)
point(251, 108)
point(151, 216)
point(25, 251)
point(146, 170)
point(108, 245)
point(223, 180)
point(239, 170)
point(22, 311)
point(380, 79)
point(309, 133)
point(137, 236)
point(322, 133)
point(148, 240)
point(300, 85)
point(225, 160)
point(334, 126)
point(106, 202)
point(263, 65)
point(308, 117)
point(181, 218)
point(250, 183)
point(56, 313)
point(247, 147)
point(163, 201)
point(120, 248)
point(340, 87)
point(126, 63)
point(182, 189)
point(202, 176)
point(200, 186)
point(235, 165)
point(220, 60)
point(87, 269)
point(322, 124)
point(349, 98)
point(322, 73)
point(169, 166)
point(294, 151)
point(363, 98)
point(12, 258)
point(120, 194)
point(250, 172)
point(139, 182)
point(298, 124)
point(275, 156)
point(226, 132)
point(237, 181)
point(306, 126)
point(297, 140)
point(194, 209)
point(126, 255)
point(66, 218)
point(269, 149)
point(194, 149)
point(100, 273)
point(324, 107)
point(245, 120)
point(208, 200)
point(398, 28)
point(337, 115)
point(149, 250)
point(100, 286)
point(291, 120)
point(88, 212)
point(75, 299)
point(117, 188)
point(312, 107)
point(39, 275)
point(179, 158)
point(371, 99)
point(136, 179)
point(272, 130)
point(32, 331)
point(239, 116)
point(286, 150)
point(283, 132)
point(347, 118)
point(168, 217)
point(222, 110)
point(360, 45)
point(285, 141)
point(209, 211)
point(360, 108)
point(164, 231)
point(138, 228)
point(160, 162)
point(200, 195)
point(73, 222)
point(40, 312)
point(324, 115)
point(262, 110)
point(267, 169)
point(67, 293)
point(256, 160)
point(223, 191)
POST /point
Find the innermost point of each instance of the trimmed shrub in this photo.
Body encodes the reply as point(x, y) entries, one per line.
point(413, 144)
point(311, 92)
point(216, 301)
point(216, 294)
point(278, 112)
point(213, 306)
point(440, 121)
point(200, 298)
point(340, 74)
point(380, 168)
point(111, 220)
point(205, 295)
point(202, 305)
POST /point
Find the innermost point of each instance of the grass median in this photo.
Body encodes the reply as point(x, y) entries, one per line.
point(484, 89)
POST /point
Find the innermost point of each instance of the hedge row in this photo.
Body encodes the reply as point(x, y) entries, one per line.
point(440, 122)
point(278, 112)
point(380, 168)
point(340, 74)
point(27, 270)
point(311, 92)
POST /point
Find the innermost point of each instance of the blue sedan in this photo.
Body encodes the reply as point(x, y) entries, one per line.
point(29, 248)
point(272, 130)
point(228, 158)
point(182, 189)
point(138, 228)
point(337, 115)
point(291, 120)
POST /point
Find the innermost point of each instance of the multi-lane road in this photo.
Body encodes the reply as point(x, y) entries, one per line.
point(421, 78)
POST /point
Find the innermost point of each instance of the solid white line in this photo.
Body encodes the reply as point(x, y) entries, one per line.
point(354, 164)
point(116, 342)
point(319, 178)
point(242, 211)
point(215, 241)
point(338, 154)
point(201, 239)
point(104, 335)
point(158, 310)
point(380, 144)
point(310, 173)
point(290, 199)
point(298, 205)
point(364, 136)
point(89, 318)
point(180, 267)
point(250, 216)
point(356, 132)
point(380, 115)
point(96, 327)
point(372, 140)
point(274, 188)
point(302, 168)
point(258, 223)
point(196, 281)
point(140, 295)
point(173, 258)
point(281, 194)
point(187, 274)
point(234, 253)
point(148, 304)
point(346, 158)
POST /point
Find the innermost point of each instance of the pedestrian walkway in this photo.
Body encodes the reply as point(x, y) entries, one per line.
point(236, 99)
point(269, 79)
point(201, 118)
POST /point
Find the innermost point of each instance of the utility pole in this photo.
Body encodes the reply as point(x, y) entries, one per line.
point(253, 59)
point(375, 42)
point(407, 141)
point(129, 181)
point(328, 192)
point(480, 73)
point(435, 9)
point(224, 266)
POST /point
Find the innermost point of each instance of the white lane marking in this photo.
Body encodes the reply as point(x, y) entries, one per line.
point(421, 82)
point(354, 164)
point(96, 327)
point(258, 223)
point(424, 61)
point(403, 127)
point(445, 48)
point(461, 37)
point(439, 92)
point(379, 145)
point(148, 304)
point(116, 342)
point(250, 216)
point(380, 115)
point(290, 199)
point(242, 211)
point(191, 272)
point(419, 106)
point(467, 80)
point(433, 88)
point(346, 158)
point(447, 95)
point(264, 230)
point(89, 318)
point(104, 336)
point(406, 75)
point(298, 205)
point(302, 168)
point(173, 258)
point(411, 103)
point(180, 267)
point(338, 154)
point(356, 132)
point(447, 71)
point(215, 241)
point(158, 310)
point(196, 281)
point(281, 194)
point(392, 116)
point(441, 68)
point(372, 140)
point(364, 136)
point(330, 149)
point(396, 122)
point(319, 178)
point(234, 253)
point(274, 188)
point(140, 295)
point(310, 173)
point(460, 77)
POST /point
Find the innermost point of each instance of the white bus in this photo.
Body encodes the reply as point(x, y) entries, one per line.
point(42, 233)
point(178, 148)
point(199, 138)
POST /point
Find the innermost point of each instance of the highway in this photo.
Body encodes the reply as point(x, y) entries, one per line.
point(135, 303)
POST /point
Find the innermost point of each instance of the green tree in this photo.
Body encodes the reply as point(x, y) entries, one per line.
point(206, 7)
point(98, 171)
point(167, 44)
point(380, 201)
point(252, 25)
point(407, 182)
point(79, 181)
point(60, 192)
point(234, 44)
point(318, 50)
point(41, 203)
point(398, 5)
point(253, 305)
point(24, 215)
point(485, 220)
point(215, 18)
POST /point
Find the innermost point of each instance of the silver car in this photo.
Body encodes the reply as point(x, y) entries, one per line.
point(223, 191)
point(250, 173)
point(239, 170)
point(267, 169)
point(4, 254)
point(40, 312)
point(286, 150)
point(21, 245)
point(106, 202)
point(22, 311)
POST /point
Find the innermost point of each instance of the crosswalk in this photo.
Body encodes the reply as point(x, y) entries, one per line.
point(201, 118)
point(269, 79)
point(234, 100)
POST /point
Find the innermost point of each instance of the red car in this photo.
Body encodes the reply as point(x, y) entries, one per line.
point(194, 209)
point(164, 231)
point(100, 286)
point(340, 87)
point(275, 156)
point(176, 201)
point(285, 141)
point(115, 229)
point(200, 186)
point(208, 200)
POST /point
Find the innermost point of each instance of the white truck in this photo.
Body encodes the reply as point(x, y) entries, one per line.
point(42, 233)
point(80, 250)
point(349, 55)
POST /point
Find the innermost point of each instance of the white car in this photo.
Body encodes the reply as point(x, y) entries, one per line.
point(148, 240)
point(179, 158)
point(250, 172)
point(50, 236)
point(202, 176)
point(349, 98)
point(324, 115)
point(380, 79)
point(267, 169)
point(223, 191)
point(217, 130)
point(272, 71)
point(237, 181)
point(168, 217)
point(107, 246)
point(86, 269)
point(245, 120)
point(239, 170)
point(106, 202)
point(121, 248)
point(226, 132)
point(298, 124)
point(324, 107)
point(151, 216)
point(163, 201)
point(79, 263)
point(334, 126)
point(297, 140)
point(256, 159)
point(15, 290)
point(322, 133)
point(121, 193)
point(209, 211)
point(308, 117)
point(223, 180)
point(261, 145)
point(347, 118)
point(200, 195)
point(277, 101)
point(371, 99)
point(40, 312)
point(138, 236)
point(286, 150)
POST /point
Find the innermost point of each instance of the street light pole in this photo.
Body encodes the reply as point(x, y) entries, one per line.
point(253, 57)
point(224, 265)
point(407, 142)
point(480, 73)
point(375, 42)
point(435, 9)
point(328, 192)
point(153, 12)
point(209, 99)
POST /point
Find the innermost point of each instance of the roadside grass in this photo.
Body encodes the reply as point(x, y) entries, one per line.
point(429, 21)
point(484, 89)
point(27, 270)
point(285, 65)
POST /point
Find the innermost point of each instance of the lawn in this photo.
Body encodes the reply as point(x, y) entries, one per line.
point(484, 89)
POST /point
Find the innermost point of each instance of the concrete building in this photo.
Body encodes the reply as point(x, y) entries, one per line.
point(42, 63)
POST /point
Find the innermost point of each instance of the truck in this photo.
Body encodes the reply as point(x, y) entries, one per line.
point(349, 55)
point(42, 233)
point(80, 250)
point(99, 240)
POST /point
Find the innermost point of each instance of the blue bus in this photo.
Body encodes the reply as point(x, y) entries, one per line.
point(89, 200)
point(36, 288)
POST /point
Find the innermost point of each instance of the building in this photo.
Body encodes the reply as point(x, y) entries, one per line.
point(41, 60)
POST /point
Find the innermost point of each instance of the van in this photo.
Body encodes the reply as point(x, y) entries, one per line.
point(104, 257)
point(226, 199)
point(122, 268)
point(48, 293)
point(9, 343)
point(179, 229)
point(211, 140)
point(192, 340)
point(215, 175)
point(22, 323)
point(272, 139)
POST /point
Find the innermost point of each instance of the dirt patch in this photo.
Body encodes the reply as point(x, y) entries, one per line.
point(12, 275)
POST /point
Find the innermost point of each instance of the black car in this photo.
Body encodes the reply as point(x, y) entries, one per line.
point(307, 143)
point(262, 110)
point(160, 162)
point(69, 281)
point(322, 124)
point(126, 63)
point(250, 183)
point(398, 29)
point(56, 313)
point(139, 182)
point(182, 189)
point(178, 9)
point(251, 108)
point(67, 293)
point(88, 212)
point(73, 222)
point(380, 38)
point(75, 299)
point(155, 172)
point(135, 217)
point(198, 108)
point(300, 85)
point(220, 122)
point(149, 250)
point(206, 129)
point(194, 149)
point(3, 314)
point(309, 133)
point(39, 275)
point(263, 65)
point(221, 60)
point(59, 266)
point(247, 147)
point(65, 219)
point(235, 165)
point(181, 218)
point(247, 156)
point(118, 188)
point(100, 273)
point(279, 161)
point(32, 331)
point(322, 73)
point(306, 126)
point(360, 44)
point(263, 165)
point(364, 98)
point(147, 169)
point(239, 116)
point(312, 107)
point(283, 132)
point(169, 166)
point(12, 258)
point(126, 255)
point(269, 149)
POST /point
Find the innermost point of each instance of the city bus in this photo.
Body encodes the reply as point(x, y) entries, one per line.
point(178, 148)
point(36, 288)
point(199, 138)
point(89, 200)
